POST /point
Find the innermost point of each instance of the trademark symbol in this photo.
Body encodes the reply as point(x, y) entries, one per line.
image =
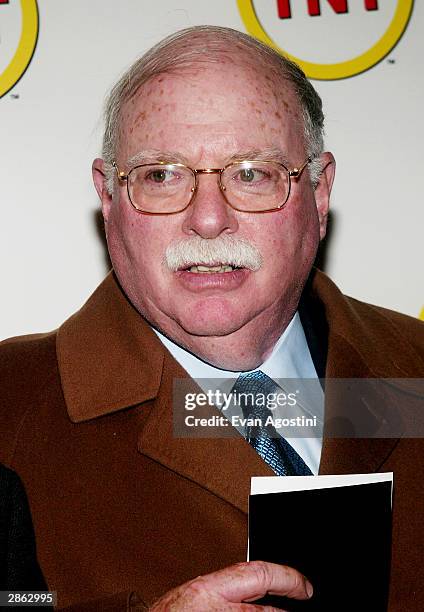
point(14, 96)
point(391, 61)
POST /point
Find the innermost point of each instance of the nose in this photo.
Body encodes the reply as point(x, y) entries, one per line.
point(209, 214)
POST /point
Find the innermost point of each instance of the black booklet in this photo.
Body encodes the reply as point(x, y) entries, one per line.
point(338, 536)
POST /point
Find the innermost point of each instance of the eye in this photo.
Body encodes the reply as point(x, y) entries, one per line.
point(160, 175)
point(251, 175)
point(247, 175)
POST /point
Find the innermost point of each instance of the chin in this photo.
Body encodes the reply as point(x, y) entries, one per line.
point(211, 319)
point(209, 329)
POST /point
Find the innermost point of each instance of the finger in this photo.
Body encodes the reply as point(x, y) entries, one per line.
point(252, 580)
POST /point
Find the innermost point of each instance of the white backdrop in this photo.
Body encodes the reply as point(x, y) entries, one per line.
point(50, 130)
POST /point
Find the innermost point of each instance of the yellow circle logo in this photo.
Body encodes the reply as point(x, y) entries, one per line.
point(357, 33)
point(21, 50)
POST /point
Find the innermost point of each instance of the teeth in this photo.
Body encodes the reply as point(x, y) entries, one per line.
point(211, 269)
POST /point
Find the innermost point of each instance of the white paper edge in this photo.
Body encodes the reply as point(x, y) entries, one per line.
point(281, 484)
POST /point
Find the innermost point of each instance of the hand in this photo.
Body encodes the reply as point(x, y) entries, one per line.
point(227, 589)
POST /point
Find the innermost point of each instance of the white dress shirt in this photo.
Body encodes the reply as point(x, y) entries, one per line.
point(290, 359)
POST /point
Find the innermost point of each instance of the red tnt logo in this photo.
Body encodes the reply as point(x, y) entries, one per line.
point(4, 1)
point(314, 7)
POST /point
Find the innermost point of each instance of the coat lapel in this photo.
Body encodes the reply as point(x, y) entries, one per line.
point(110, 359)
point(222, 464)
point(354, 334)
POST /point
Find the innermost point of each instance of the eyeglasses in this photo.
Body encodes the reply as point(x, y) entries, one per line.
point(248, 186)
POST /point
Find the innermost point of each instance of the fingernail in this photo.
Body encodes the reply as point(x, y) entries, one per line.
point(309, 588)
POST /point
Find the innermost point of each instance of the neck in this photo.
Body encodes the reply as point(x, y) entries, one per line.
point(242, 350)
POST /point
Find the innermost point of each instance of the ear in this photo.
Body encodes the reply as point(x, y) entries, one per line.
point(323, 190)
point(99, 179)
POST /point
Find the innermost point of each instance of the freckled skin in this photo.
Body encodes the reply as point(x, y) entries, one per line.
point(140, 117)
point(207, 121)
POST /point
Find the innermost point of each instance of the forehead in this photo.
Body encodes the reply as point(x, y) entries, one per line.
point(213, 111)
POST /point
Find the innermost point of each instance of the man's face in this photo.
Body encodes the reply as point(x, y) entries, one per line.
point(209, 116)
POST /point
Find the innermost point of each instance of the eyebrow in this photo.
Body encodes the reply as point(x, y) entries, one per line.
point(155, 155)
point(266, 154)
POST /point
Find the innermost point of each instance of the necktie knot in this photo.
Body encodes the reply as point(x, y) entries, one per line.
point(253, 390)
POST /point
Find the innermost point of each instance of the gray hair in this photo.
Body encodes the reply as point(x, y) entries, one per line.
point(208, 44)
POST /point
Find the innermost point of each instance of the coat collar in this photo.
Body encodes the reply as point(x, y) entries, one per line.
point(110, 359)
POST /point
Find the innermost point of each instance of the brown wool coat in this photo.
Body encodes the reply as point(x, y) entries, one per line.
point(121, 506)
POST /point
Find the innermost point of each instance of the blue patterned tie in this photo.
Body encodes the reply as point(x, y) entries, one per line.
point(273, 449)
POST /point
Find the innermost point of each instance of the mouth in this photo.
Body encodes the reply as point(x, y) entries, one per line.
point(215, 276)
point(216, 268)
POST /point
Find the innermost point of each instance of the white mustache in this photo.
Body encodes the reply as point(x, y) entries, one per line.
point(225, 249)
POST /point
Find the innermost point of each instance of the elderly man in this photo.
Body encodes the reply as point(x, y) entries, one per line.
point(215, 192)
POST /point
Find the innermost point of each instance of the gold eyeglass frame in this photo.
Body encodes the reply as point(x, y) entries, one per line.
point(295, 173)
